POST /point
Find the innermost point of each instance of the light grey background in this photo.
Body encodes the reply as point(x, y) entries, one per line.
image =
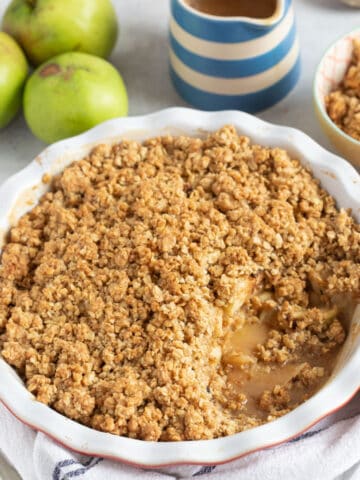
point(141, 57)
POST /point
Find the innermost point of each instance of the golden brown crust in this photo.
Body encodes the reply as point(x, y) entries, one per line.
point(116, 290)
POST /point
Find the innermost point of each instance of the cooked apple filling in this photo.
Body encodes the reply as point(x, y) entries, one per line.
point(179, 289)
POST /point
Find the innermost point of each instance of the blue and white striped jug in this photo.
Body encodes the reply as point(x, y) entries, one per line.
point(239, 63)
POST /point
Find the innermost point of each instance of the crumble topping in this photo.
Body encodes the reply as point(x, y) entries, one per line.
point(178, 289)
point(343, 105)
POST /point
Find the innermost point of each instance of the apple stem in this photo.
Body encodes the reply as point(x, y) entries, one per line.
point(32, 3)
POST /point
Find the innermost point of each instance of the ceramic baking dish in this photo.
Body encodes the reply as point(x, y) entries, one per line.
point(21, 191)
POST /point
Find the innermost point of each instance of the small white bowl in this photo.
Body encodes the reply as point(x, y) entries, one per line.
point(328, 76)
point(24, 189)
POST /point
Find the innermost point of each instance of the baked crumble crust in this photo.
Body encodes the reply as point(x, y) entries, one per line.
point(343, 105)
point(118, 289)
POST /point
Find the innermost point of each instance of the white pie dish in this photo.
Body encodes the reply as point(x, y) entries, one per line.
point(21, 191)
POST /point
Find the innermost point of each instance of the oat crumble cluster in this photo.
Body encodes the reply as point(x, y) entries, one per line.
point(343, 105)
point(118, 290)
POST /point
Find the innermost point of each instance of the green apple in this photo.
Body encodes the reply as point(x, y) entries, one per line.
point(45, 28)
point(72, 93)
point(13, 73)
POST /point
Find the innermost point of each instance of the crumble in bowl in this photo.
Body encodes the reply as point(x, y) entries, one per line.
point(343, 104)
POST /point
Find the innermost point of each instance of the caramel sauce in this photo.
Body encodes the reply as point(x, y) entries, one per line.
point(247, 375)
point(246, 338)
point(258, 378)
point(235, 8)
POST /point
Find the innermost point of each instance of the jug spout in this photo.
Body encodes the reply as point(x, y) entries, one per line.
point(280, 9)
point(263, 13)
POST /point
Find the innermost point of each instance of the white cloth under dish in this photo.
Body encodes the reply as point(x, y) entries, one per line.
point(328, 451)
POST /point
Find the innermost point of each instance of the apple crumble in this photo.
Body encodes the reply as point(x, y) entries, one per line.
point(179, 289)
point(343, 105)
